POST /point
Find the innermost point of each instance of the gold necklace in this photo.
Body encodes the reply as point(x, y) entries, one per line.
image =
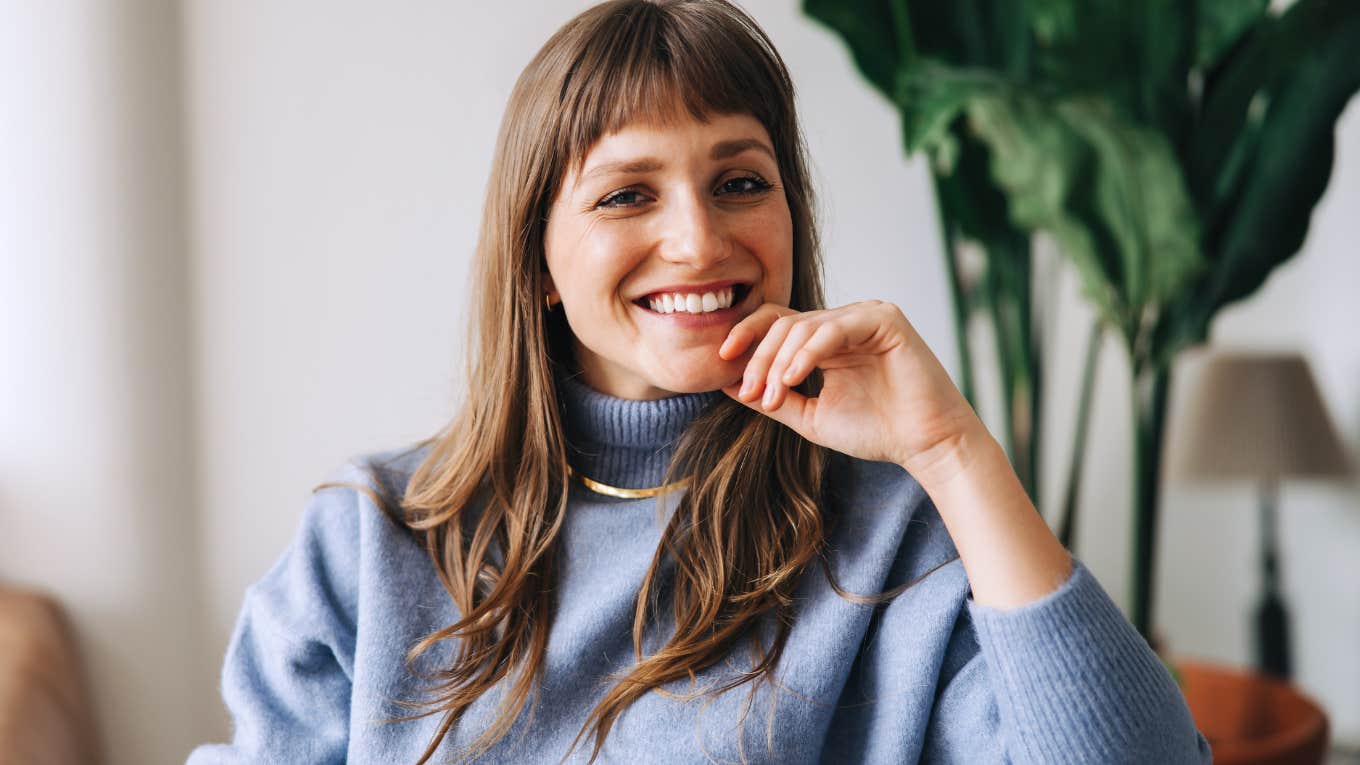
point(614, 491)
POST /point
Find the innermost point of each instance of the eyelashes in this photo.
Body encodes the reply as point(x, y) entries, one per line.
point(757, 184)
point(618, 198)
point(743, 185)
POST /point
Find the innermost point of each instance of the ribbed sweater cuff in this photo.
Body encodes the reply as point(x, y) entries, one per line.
point(1075, 682)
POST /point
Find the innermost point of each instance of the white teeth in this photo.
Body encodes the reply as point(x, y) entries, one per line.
point(692, 302)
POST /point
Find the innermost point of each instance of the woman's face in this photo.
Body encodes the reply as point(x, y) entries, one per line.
point(663, 226)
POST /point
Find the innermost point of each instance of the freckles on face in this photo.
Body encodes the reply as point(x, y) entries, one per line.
point(662, 239)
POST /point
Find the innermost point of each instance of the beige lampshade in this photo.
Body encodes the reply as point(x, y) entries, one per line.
point(1256, 416)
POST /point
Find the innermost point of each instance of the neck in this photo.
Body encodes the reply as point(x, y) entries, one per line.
point(624, 442)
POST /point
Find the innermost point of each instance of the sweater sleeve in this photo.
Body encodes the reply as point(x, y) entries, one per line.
point(1065, 679)
point(289, 665)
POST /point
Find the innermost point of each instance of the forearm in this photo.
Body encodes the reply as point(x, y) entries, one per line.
point(1009, 553)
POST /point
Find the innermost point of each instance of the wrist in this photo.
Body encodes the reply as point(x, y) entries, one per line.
point(1008, 551)
point(955, 456)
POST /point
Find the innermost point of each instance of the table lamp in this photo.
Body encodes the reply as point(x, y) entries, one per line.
point(1258, 416)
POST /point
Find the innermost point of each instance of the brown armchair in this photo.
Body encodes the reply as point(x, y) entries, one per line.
point(46, 717)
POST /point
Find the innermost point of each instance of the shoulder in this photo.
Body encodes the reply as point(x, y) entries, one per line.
point(386, 472)
point(364, 487)
point(314, 585)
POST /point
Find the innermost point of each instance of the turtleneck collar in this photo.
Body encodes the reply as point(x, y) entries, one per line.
point(623, 442)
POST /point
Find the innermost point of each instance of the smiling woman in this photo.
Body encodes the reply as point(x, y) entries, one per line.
point(678, 476)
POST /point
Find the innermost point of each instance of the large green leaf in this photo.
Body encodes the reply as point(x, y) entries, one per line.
point(1141, 198)
point(1038, 163)
point(1109, 191)
point(1137, 54)
point(1114, 182)
point(931, 95)
point(1236, 92)
point(899, 44)
point(1219, 24)
point(973, 33)
point(1265, 216)
point(971, 199)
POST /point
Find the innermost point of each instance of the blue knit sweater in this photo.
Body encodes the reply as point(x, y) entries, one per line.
point(318, 652)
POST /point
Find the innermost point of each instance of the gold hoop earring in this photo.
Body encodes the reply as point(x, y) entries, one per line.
point(551, 300)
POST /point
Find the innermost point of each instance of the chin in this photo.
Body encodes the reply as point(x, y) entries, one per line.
point(713, 378)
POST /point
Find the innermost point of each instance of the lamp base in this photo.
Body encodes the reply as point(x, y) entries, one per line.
point(1272, 638)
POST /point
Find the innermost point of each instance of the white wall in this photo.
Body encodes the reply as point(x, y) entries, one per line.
point(198, 365)
point(96, 470)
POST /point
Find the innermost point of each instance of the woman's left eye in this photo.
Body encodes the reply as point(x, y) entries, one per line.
point(746, 184)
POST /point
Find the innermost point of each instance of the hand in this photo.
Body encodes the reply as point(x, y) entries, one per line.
point(884, 396)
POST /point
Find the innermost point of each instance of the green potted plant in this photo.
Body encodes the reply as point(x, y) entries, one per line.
point(1173, 150)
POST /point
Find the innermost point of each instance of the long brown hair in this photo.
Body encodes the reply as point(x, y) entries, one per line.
point(489, 499)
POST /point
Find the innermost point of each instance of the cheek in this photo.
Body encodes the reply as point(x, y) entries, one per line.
point(605, 259)
point(770, 239)
point(594, 277)
point(588, 261)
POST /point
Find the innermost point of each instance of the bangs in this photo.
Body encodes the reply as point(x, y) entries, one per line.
point(662, 63)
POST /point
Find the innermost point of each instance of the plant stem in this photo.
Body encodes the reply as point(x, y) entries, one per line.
point(961, 302)
point(1150, 388)
point(1003, 330)
point(1029, 344)
point(1007, 281)
point(1088, 378)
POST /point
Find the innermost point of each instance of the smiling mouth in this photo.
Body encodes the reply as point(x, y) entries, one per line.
point(739, 293)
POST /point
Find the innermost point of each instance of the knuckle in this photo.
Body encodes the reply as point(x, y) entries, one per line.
point(765, 350)
point(888, 309)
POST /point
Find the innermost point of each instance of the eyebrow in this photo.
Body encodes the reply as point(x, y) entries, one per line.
point(727, 149)
point(721, 150)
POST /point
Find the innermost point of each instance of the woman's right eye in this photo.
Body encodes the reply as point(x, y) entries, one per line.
point(621, 198)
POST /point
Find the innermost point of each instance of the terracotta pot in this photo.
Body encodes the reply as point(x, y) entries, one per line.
point(1252, 719)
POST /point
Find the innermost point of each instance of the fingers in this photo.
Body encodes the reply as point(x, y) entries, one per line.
point(850, 342)
point(754, 378)
point(782, 339)
point(793, 343)
point(828, 338)
point(751, 328)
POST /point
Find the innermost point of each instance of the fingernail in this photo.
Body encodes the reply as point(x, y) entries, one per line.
point(745, 388)
point(769, 397)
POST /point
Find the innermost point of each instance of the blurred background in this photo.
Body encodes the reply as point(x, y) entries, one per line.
point(234, 244)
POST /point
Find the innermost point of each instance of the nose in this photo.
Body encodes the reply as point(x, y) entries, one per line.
point(693, 234)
